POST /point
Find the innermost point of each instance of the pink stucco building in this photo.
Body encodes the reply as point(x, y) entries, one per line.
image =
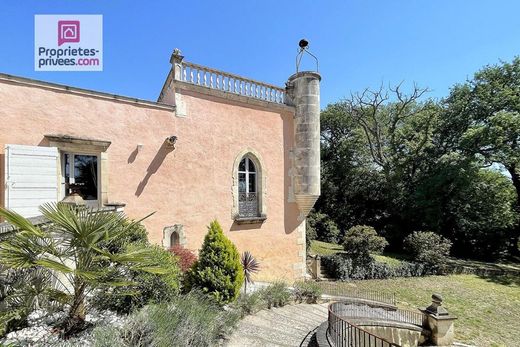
point(214, 145)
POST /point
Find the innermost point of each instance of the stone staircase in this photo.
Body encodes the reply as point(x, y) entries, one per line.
point(311, 268)
point(291, 325)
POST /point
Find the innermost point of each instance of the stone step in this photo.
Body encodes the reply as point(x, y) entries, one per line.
point(276, 328)
point(301, 322)
point(290, 325)
point(283, 321)
point(316, 314)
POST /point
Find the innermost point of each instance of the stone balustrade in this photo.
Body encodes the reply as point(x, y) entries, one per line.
point(214, 79)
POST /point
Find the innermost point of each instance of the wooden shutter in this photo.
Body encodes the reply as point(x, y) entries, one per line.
point(31, 175)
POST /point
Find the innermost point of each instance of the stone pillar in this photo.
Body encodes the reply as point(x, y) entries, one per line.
point(176, 61)
point(303, 90)
point(316, 268)
point(439, 322)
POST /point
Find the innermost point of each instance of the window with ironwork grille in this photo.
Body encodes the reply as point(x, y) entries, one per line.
point(247, 189)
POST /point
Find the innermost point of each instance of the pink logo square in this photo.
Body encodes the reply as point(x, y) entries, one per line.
point(68, 31)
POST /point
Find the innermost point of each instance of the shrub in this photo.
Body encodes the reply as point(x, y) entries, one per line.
point(360, 241)
point(428, 247)
point(189, 320)
point(218, 271)
point(323, 227)
point(148, 287)
point(306, 291)
point(250, 266)
point(135, 234)
point(343, 268)
point(73, 233)
point(247, 304)
point(276, 294)
point(186, 257)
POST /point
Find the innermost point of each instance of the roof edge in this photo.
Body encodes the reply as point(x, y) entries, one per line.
point(83, 92)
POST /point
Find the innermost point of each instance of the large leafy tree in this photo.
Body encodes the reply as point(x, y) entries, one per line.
point(483, 121)
point(70, 247)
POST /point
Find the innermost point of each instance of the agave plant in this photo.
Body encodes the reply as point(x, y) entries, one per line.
point(250, 266)
point(69, 247)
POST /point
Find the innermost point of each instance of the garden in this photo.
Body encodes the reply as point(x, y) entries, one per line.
point(123, 291)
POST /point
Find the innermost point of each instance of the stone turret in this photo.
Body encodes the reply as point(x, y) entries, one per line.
point(303, 89)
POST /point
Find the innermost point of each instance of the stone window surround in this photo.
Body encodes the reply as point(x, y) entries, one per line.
point(167, 234)
point(261, 188)
point(79, 145)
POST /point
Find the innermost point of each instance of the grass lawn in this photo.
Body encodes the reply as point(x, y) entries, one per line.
point(325, 248)
point(488, 309)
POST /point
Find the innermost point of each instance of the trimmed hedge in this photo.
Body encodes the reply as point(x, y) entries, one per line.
point(343, 268)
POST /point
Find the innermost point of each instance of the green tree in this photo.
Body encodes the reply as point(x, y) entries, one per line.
point(69, 247)
point(218, 271)
point(324, 227)
point(484, 114)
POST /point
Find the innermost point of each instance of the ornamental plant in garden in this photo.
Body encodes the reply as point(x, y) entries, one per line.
point(218, 271)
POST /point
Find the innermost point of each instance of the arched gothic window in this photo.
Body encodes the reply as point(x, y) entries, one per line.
point(247, 188)
point(174, 239)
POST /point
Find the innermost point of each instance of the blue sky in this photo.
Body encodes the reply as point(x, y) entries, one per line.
point(359, 43)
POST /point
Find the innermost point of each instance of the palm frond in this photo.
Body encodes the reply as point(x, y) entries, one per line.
point(19, 222)
point(54, 265)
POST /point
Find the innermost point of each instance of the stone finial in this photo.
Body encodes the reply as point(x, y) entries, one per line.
point(176, 57)
point(436, 306)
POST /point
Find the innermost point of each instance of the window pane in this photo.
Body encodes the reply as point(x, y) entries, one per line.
point(85, 176)
point(252, 183)
point(242, 165)
point(251, 166)
point(242, 182)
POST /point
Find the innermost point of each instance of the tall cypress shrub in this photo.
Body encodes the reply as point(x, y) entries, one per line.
point(218, 271)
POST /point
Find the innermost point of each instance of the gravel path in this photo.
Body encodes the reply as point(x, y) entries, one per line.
point(290, 325)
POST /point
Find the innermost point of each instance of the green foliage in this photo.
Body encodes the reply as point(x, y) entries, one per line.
point(276, 294)
point(189, 320)
point(428, 247)
point(361, 240)
point(307, 291)
point(324, 227)
point(249, 303)
point(146, 287)
point(343, 268)
point(218, 271)
point(74, 233)
point(134, 234)
point(400, 162)
point(21, 292)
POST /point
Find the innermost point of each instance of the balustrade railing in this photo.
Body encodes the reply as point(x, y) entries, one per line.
point(248, 205)
point(359, 310)
point(227, 82)
point(343, 333)
point(345, 290)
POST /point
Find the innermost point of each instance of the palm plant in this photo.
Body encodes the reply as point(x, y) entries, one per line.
point(70, 248)
point(250, 266)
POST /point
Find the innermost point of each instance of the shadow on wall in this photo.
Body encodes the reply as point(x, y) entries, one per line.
point(240, 227)
point(132, 156)
point(291, 211)
point(155, 164)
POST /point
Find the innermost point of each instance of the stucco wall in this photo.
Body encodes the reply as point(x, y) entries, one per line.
point(190, 185)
